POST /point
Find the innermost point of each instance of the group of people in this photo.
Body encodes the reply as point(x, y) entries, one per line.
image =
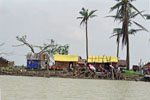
point(107, 69)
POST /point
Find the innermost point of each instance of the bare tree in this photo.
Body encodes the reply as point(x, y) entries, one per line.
point(51, 47)
point(24, 42)
point(46, 46)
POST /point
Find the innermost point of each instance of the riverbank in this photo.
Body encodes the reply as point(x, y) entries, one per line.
point(79, 74)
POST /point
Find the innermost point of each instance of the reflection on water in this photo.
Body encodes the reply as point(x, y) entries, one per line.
point(38, 88)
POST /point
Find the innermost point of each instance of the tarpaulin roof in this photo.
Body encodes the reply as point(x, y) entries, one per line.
point(66, 58)
point(102, 59)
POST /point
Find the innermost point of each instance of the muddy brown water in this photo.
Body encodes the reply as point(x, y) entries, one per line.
point(39, 88)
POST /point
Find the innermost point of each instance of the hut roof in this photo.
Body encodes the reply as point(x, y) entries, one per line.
point(66, 58)
point(102, 59)
point(4, 60)
point(147, 65)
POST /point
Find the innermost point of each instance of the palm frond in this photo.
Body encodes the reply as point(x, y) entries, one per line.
point(82, 22)
point(135, 9)
point(140, 26)
point(92, 16)
point(133, 31)
point(92, 12)
point(114, 35)
point(134, 14)
point(79, 17)
point(116, 6)
point(82, 13)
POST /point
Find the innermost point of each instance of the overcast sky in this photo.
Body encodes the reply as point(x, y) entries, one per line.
point(41, 20)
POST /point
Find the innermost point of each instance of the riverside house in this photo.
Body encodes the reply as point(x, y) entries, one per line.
point(102, 62)
point(65, 62)
point(37, 60)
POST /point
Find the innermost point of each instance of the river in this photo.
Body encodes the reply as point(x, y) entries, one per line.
point(40, 88)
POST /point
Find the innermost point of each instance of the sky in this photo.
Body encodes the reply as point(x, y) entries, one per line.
point(42, 20)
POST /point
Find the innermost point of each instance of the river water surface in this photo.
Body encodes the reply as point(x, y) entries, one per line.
point(39, 88)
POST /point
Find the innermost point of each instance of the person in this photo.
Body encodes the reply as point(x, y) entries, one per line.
point(92, 67)
point(112, 71)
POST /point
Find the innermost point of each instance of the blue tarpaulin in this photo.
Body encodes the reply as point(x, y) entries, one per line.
point(32, 63)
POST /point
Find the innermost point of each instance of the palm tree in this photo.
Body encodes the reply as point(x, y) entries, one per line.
point(117, 32)
point(85, 16)
point(124, 11)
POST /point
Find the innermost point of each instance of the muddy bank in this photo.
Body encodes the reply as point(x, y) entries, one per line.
point(80, 73)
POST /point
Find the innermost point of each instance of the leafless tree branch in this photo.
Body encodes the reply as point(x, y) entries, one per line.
point(23, 40)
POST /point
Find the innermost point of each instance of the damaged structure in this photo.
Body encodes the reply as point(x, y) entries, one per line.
point(5, 63)
point(37, 60)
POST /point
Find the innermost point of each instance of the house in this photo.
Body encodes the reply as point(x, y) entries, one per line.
point(136, 68)
point(102, 62)
point(146, 68)
point(6, 63)
point(37, 60)
point(147, 65)
point(122, 64)
point(64, 62)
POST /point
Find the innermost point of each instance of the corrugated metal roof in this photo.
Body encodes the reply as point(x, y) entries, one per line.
point(102, 59)
point(66, 58)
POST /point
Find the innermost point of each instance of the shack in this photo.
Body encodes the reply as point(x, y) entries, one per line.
point(102, 62)
point(65, 62)
point(146, 68)
point(5, 63)
point(37, 60)
point(122, 64)
point(136, 68)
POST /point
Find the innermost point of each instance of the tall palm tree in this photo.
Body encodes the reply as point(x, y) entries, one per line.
point(85, 16)
point(124, 10)
point(117, 32)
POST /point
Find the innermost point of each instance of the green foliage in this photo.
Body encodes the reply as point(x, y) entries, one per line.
point(125, 13)
point(85, 15)
point(58, 49)
point(63, 49)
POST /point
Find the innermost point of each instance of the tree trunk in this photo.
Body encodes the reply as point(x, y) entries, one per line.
point(128, 54)
point(126, 35)
point(87, 41)
point(118, 47)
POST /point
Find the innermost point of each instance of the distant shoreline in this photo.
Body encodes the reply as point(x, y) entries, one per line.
point(61, 74)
